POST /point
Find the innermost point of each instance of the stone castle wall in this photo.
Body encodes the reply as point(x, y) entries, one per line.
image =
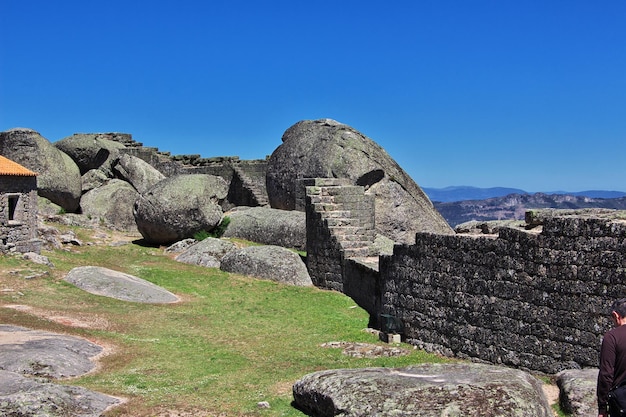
point(536, 301)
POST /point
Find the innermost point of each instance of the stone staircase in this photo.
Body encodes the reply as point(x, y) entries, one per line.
point(258, 191)
point(347, 213)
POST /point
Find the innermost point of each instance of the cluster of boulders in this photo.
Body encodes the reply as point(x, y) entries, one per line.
point(92, 175)
point(270, 262)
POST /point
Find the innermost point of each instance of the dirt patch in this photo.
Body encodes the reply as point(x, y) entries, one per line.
point(82, 321)
point(552, 394)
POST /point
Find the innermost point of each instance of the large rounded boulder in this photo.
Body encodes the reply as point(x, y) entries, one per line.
point(328, 149)
point(58, 177)
point(90, 150)
point(268, 226)
point(112, 205)
point(180, 206)
point(269, 262)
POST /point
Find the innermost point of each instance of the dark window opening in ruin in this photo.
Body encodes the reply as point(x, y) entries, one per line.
point(13, 200)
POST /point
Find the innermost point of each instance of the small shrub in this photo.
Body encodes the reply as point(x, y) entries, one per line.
point(217, 232)
point(221, 228)
point(201, 235)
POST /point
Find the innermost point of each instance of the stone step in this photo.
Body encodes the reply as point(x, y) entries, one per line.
point(342, 221)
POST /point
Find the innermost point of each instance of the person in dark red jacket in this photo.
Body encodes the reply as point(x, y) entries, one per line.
point(612, 357)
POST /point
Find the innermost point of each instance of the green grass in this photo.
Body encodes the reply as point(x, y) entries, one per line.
point(231, 342)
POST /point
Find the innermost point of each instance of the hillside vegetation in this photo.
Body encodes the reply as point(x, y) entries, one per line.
point(232, 342)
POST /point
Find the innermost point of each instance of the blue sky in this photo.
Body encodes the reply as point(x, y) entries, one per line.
point(525, 94)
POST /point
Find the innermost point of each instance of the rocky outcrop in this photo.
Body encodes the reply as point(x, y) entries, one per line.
point(137, 172)
point(207, 252)
point(180, 206)
point(422, 390)
point(58, 177)
point(577, 389)
point(114, 284)
point(268, 262)
point(30, 360)
point(328, 149)
point(90, 150)
point(111, 205)
point(268, 226)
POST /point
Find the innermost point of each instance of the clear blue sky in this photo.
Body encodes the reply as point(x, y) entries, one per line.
point(526, 94)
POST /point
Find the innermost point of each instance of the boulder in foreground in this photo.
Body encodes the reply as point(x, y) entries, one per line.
point(422, 390)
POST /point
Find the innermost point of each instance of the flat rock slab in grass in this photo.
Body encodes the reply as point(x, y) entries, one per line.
point(114, 284)
point(31, 359)
point(45, 354)
point(38, 397)
point(422, 390)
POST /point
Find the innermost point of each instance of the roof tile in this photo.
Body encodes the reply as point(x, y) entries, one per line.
point(8, 167)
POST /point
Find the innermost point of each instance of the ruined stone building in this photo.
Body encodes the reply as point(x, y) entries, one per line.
point(18, 208)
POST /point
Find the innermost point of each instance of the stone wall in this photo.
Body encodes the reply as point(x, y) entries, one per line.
point(18, 224)
point(528, 300)
point(246, 178)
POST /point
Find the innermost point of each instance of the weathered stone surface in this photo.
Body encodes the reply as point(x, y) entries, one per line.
point(328, 149)
point(38, 259)
point(94, 178)
point(269, 262)
point(137, 172)
point(58, 177)
point(578, 391)
point(38, 397)
point(44, 356)
point(111, 205)
point(268, 226)
point(180, 246)
point(207, 252)
point(114, 284)
point(422, 390)
point(180, 206)
point(90, 150)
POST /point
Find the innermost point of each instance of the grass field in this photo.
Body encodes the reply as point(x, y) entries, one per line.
point(232, 342)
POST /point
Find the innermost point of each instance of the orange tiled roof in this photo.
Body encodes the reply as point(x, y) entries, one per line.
point(8, 167)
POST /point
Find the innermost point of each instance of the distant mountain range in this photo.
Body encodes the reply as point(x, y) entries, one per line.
point(462, 204)
point(461, 193)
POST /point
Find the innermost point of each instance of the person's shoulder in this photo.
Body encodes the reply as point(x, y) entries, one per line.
point(618, 331)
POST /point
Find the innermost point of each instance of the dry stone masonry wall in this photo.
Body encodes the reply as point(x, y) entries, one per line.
point(536, 301)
